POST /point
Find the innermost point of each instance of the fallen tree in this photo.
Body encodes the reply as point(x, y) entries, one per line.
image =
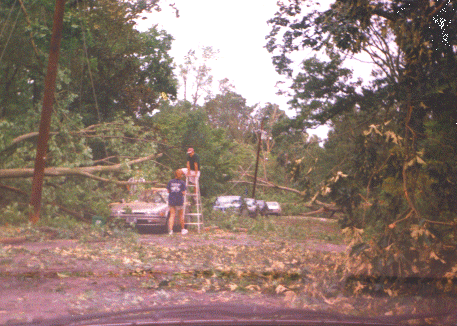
point(321, 208)
point(315, 205)
point(85, 167)
point(87, 171)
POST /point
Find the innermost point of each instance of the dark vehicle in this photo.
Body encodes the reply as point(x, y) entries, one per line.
point(148, 212)
point(252, 208)
point(273, 208)
point(262, 207)
point(228, 203)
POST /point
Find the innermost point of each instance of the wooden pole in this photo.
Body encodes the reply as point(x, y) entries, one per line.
point(48, 101)
point(257, 159)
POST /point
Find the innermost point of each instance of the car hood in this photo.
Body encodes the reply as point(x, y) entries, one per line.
point(221, 314)
point(137, 207)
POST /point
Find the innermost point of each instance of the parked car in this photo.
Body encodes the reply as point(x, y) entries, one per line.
point(148, 212)
point(262, 207)
point(238, 204)
point(228, 203)
point(252, 208)
point(273, 208)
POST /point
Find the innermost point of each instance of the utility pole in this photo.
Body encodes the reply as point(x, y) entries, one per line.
point(48, 101)
point(257, 159)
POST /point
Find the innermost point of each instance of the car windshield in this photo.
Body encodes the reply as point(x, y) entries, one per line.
point(154, 196)
point(228, 199)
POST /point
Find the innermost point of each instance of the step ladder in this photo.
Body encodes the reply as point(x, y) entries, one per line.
point(193, 214)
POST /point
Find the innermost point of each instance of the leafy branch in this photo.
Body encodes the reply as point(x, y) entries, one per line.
point(87, 171)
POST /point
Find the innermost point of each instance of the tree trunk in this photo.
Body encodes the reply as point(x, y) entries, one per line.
point(48, 101)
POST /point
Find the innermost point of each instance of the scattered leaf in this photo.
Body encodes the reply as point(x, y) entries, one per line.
point(280, 289)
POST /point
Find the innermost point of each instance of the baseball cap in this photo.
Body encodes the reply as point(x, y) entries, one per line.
point(190, 150)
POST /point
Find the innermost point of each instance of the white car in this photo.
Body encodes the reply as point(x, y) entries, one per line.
point(227, 203)
point(149, 211)
point(273, 208)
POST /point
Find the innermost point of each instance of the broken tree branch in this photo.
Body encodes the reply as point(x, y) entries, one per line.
point(269, 184)
point(87, 171)
point(322, 207)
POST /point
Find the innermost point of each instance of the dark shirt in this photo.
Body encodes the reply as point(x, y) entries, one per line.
point(192, 159)
point(175, 188)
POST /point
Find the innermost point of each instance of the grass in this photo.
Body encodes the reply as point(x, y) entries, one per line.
point(67, 228)
point(278, 227)
point(291, 228)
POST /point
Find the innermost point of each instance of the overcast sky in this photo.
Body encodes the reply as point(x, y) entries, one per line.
point(237, 28)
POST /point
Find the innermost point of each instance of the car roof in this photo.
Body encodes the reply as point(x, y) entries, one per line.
point(157, 189)
point(229, 197)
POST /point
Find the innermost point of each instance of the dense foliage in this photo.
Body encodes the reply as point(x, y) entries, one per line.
point(388, 163)
point(109, 75)
point(394, 139)
point(115, 104)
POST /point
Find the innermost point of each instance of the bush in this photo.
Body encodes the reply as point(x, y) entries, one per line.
point(13, 215)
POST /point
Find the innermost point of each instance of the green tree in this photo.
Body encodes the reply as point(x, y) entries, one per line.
point(179, 128)
point(270, 114)
point(104, 60)
point(391, 174)
point(123, 70)
point(230, 111)
point(108, 73)
point(196, 73)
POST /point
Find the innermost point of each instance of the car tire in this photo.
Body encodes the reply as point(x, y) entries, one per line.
point(145, 229)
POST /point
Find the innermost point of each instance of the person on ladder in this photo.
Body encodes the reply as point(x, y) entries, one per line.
point(176, 190)
point(193, 168)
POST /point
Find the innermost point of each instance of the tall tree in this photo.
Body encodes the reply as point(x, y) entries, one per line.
point(410, 103)
point(105, 62)
point(107, 70)
point(271, 114)
point(196, 73)
point(181, 128)
point(230, 111)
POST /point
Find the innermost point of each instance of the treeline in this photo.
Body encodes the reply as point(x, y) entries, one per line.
point(393, 142)
point(388, 163)
point(116, 113)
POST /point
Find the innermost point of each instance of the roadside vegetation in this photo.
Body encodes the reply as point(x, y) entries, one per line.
point(386, 173)
point(295, 262)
